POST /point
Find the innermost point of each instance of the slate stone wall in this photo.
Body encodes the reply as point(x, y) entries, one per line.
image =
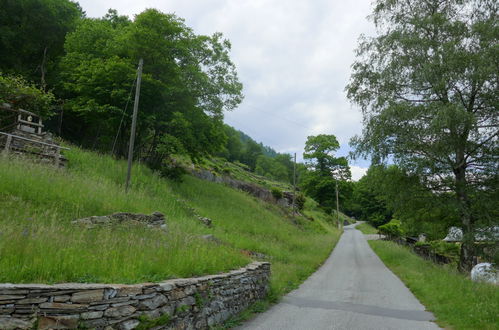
point(191, 303)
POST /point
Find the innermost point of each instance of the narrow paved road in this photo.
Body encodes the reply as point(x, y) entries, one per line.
point(352, 290)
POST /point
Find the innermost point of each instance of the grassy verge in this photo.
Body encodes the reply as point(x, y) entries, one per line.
point(366, 228)
point(456, 301)
point(38, 243)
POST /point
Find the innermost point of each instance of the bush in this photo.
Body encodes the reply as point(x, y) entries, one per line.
point(276, 192)
point(172, 170)
point(391, 229)
point(378, 220)
point(21, 94)
point(300, 201)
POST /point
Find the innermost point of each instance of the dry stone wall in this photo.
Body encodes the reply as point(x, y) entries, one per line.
point(192, 303)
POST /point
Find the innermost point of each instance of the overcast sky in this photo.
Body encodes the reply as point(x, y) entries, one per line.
point(292, 56)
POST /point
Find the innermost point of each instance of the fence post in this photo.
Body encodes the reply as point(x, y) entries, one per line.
point(7, 145)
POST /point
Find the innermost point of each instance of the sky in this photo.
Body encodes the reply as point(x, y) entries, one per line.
point(292, 56)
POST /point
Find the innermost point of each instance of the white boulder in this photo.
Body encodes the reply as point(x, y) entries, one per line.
point(485, 272)
point(455, 235)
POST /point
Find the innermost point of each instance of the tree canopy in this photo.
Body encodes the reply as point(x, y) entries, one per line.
point(427, 85)
point(188, 83)
point(32, 34)
point(325, 170)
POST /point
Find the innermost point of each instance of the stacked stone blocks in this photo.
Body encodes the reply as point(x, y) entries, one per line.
point(192, 303)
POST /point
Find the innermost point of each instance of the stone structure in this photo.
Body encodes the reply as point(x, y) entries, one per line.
point(251, 188)
point(155, 220)
point(485, 272)
point(192, 303)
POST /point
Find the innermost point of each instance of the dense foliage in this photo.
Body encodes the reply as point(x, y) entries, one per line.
point(427, 85)
point(188, 83)
point(325, 171)
point(17, 92)
point(32, 37)
point(387, 191)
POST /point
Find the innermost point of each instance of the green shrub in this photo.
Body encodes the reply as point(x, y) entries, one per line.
point(276, 192)
point(300, 201)
point(445, 248)
point(21, 94)
point(391, 229)
point(378, 220)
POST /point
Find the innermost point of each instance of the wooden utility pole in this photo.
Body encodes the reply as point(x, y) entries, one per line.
point(294, 185)
point(337, 206)
point(134, 124)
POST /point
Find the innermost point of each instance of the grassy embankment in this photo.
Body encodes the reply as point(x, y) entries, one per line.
point(38, 243)
point(366, 228)
point(457, 302)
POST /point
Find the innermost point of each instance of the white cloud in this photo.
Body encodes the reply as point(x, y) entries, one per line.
point(293, 57)
point(357, 172)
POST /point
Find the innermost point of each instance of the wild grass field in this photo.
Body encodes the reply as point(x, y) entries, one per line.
point(457, 302)
point(39, 244)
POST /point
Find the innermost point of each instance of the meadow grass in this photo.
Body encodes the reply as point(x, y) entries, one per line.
point(366, 228)
point(39, 244)
point(455, 300)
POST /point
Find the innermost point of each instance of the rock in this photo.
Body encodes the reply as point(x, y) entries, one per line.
point(121, 311)
point(211, 238)
point(87, 296)
point(485, 272)
point(283, 202)
point(28, 301)
point(128, 325)
point(455, 235)
point(58, 322)
point(11, 323)
point(156, 220)
point(110, 293)
point(91, 315)
point(63, 298)
point(153, 303)
point(129, 290)
point(11, 297)
point(490, 234)
point(205, 221)
point(62, 306)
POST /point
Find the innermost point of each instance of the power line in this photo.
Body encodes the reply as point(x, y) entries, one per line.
point(279, 117)
point(123, 113)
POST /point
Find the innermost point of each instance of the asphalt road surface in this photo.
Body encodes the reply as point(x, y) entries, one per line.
point(352, 290)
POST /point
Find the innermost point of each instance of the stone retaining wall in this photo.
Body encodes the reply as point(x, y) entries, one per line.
point(192, 303)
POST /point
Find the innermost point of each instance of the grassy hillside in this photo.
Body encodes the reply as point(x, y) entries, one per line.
point(38, 243)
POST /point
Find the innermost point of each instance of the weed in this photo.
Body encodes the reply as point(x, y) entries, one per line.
point(148, 323)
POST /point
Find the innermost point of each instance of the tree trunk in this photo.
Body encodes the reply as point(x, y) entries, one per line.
point(42, 69)
point(468, 244)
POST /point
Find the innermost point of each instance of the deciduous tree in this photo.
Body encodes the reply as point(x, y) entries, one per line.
point(427, 85)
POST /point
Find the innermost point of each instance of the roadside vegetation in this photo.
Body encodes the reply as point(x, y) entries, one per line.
point(366, 228)
point(456, 302)
point(40, 245)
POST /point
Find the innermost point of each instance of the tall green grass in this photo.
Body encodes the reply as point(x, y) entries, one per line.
point(456, 301)
point(366, 229)
point(38, 243)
